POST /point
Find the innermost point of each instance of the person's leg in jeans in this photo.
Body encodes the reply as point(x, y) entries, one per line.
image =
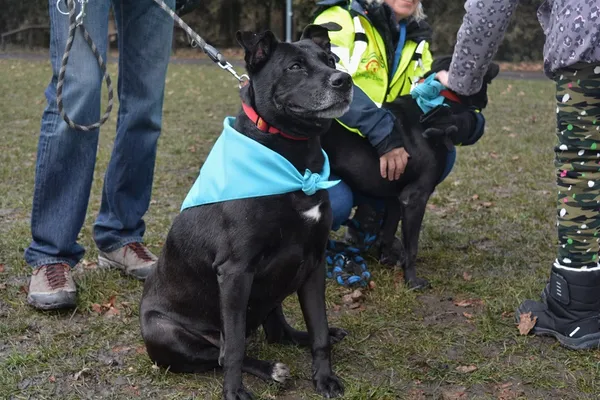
point(342, 201)
point(145, 32)
point(570, 306)
point(65, 160)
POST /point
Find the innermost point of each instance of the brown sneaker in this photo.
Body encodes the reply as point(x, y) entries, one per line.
point(134, 259)
point(52, 287)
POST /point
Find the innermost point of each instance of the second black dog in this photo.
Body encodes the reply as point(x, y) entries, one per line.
point(357, 163)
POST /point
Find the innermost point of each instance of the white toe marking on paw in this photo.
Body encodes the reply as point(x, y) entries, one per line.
point(313, 213)
point(280, 373)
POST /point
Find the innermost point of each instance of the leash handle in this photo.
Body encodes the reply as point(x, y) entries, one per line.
point(74, 23)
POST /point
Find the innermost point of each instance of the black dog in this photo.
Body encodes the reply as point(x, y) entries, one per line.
point(226, 267)
point(357, 163)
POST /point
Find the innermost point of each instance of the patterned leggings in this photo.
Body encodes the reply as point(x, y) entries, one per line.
point(578, 163)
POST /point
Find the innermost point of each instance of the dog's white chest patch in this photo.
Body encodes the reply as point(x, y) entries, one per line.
point(313, 213)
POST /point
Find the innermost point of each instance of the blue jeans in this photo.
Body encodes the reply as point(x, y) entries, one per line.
point(343, 199)
point(66, 158)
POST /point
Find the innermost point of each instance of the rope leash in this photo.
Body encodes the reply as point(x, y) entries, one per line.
point(76, 21)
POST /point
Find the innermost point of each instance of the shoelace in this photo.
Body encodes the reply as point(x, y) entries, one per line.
point(56, 274)
point(139, 251)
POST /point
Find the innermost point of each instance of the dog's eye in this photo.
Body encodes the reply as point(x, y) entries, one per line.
point(295, 66)
point(331, 62)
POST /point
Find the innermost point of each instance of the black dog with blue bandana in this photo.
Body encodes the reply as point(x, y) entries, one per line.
point(232, 256)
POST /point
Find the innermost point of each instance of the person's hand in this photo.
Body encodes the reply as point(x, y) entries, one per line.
point(442, 77)
point(393, 163)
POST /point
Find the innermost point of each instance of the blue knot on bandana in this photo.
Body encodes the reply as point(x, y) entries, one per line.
point(238, 167)
point(311, 182)
point(427, 94)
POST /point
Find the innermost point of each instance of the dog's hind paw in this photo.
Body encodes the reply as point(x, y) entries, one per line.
point(329, 386)
point(281, 372)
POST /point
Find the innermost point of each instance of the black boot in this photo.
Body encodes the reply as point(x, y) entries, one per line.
point(569, 310)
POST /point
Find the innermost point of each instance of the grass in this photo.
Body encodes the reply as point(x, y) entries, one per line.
point(488, 235)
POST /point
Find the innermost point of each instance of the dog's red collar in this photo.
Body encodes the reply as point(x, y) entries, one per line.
point(263, 126)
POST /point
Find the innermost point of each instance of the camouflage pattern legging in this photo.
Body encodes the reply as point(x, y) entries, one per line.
point(578, 165)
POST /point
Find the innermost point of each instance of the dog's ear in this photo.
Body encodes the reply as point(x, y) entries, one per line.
point(320, 34)
point(258, 48)
point(492, 72)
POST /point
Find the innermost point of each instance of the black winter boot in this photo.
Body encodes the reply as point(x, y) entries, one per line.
point(569, 310)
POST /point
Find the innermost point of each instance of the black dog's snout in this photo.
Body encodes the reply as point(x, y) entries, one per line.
point(340, 80)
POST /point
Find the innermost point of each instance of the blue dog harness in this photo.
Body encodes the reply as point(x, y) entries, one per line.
point(238, 167)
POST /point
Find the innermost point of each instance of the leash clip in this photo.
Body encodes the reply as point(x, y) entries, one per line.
point(81, 15)
point(242, 79)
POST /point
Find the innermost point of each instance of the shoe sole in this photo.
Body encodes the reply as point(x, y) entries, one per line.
point(587, 342)
point(109, 264)
point(56, 305)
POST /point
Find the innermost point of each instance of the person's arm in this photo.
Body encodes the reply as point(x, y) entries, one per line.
point(364, 116)
point(478, 39)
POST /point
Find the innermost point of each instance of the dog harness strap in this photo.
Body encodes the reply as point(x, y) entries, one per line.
point(263, 125)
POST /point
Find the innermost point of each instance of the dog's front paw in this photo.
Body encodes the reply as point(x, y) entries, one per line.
point(389, 259)
point(237, 394)
point(418, 284)
point(336, 335)
point(329, 386)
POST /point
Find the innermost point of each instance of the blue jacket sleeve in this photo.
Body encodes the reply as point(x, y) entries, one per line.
point(375, 123)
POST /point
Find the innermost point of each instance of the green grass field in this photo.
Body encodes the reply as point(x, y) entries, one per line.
point(487, 243)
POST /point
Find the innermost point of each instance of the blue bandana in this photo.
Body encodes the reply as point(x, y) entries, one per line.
point(238, 167)
point(427, 94)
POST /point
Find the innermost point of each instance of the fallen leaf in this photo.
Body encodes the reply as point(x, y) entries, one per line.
point(354, 306)
point(475, 197)
point(140, 349)
point(468, 315)
point(347, 299)
point(1, 268)
point(80, 373)
point(111, 312)
point(515, 158)
point(336, 307)
point(111, 302)
point(467, 276)
point(512, 135)
point(121, 349)
point(465, 369)
point(356, 295)
point(372, 285)
point(24, 289)
point(487, 204)
point(97, 308)
point(526, 323)
point(468, 302)
point(507, 314)
point(493, 155)
point(52, 379)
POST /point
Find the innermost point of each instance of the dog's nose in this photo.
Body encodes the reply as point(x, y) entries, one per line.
point(340, 79)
